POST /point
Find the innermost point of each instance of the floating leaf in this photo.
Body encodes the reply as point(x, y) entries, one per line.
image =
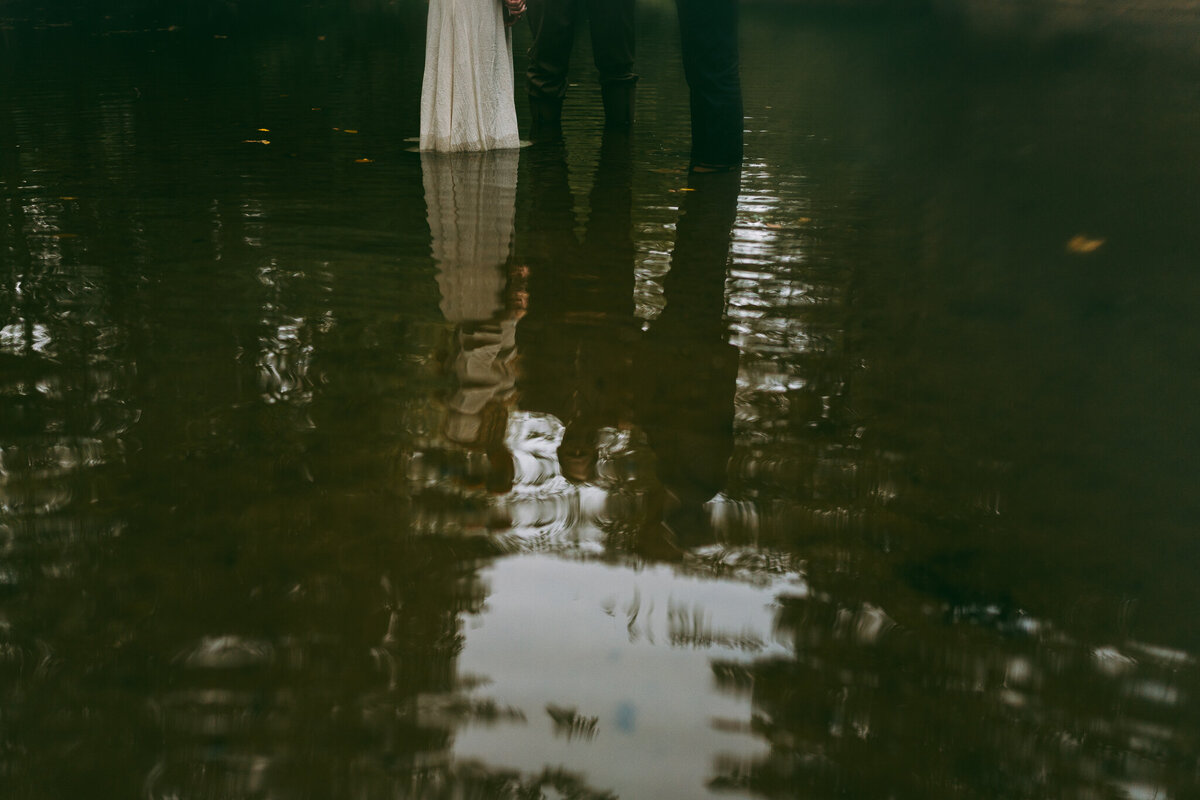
point(256, 141)
point(350, 130)
point(364, 161)
point(1082, 245)
point(264, 130)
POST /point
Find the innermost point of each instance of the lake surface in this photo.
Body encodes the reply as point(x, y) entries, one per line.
point(329, 469)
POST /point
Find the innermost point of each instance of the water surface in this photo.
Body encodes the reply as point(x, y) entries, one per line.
point(330, 469)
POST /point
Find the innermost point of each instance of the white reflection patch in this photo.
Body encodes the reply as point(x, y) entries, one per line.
point(18, 337)
point(633, 650)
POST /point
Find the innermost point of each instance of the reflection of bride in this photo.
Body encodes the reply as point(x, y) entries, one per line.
point(467, 90)
point(470, 199)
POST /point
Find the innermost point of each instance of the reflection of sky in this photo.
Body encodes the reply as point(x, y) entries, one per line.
point(629, 647)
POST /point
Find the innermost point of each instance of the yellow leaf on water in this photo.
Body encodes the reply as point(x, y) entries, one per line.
point(364, 161)
point(264, 130)
point(804, 220)
point(1082, 245)
point(349, 130)
point(68, 197)
point(256, 141)
point(688, 189)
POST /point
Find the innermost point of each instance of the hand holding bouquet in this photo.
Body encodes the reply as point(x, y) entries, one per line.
point(513, 11)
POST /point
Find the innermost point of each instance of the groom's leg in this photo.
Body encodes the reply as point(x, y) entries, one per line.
point(553, 25)
point(709, 40)
point(612, 28)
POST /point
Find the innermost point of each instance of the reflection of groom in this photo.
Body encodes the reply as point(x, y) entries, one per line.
point(553, 24)
point(580, 331)
point(686, 365)
point(586, 360)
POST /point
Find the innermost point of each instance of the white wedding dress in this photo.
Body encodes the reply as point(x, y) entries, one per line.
point(467, 92)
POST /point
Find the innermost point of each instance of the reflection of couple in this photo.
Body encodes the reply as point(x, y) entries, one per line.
point(467, 93)
point(584, 357)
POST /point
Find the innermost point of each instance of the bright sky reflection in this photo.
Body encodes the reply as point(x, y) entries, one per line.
point(630, 647)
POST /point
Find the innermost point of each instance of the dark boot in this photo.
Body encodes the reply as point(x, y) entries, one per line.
point(545, 115)
point(618, 97)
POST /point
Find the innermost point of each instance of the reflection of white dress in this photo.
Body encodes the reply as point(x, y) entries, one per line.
point(470, 199)
point(467, 93)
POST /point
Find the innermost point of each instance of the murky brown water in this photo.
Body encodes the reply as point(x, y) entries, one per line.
point(332, 470)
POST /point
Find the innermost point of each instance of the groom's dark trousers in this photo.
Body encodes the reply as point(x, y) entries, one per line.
point(553, 23)
point(708, 33)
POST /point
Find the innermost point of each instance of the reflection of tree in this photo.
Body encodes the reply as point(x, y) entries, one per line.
point(948, 432)
point(208, 589)
point(67, 412)
point(983, 706)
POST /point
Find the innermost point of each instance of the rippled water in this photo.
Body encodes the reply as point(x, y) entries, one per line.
point(330, 469)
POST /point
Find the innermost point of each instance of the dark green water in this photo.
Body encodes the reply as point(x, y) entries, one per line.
point(328, 470)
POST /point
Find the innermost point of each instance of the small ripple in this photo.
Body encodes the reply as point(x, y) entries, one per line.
point(226, 652)
point(1112, 662)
